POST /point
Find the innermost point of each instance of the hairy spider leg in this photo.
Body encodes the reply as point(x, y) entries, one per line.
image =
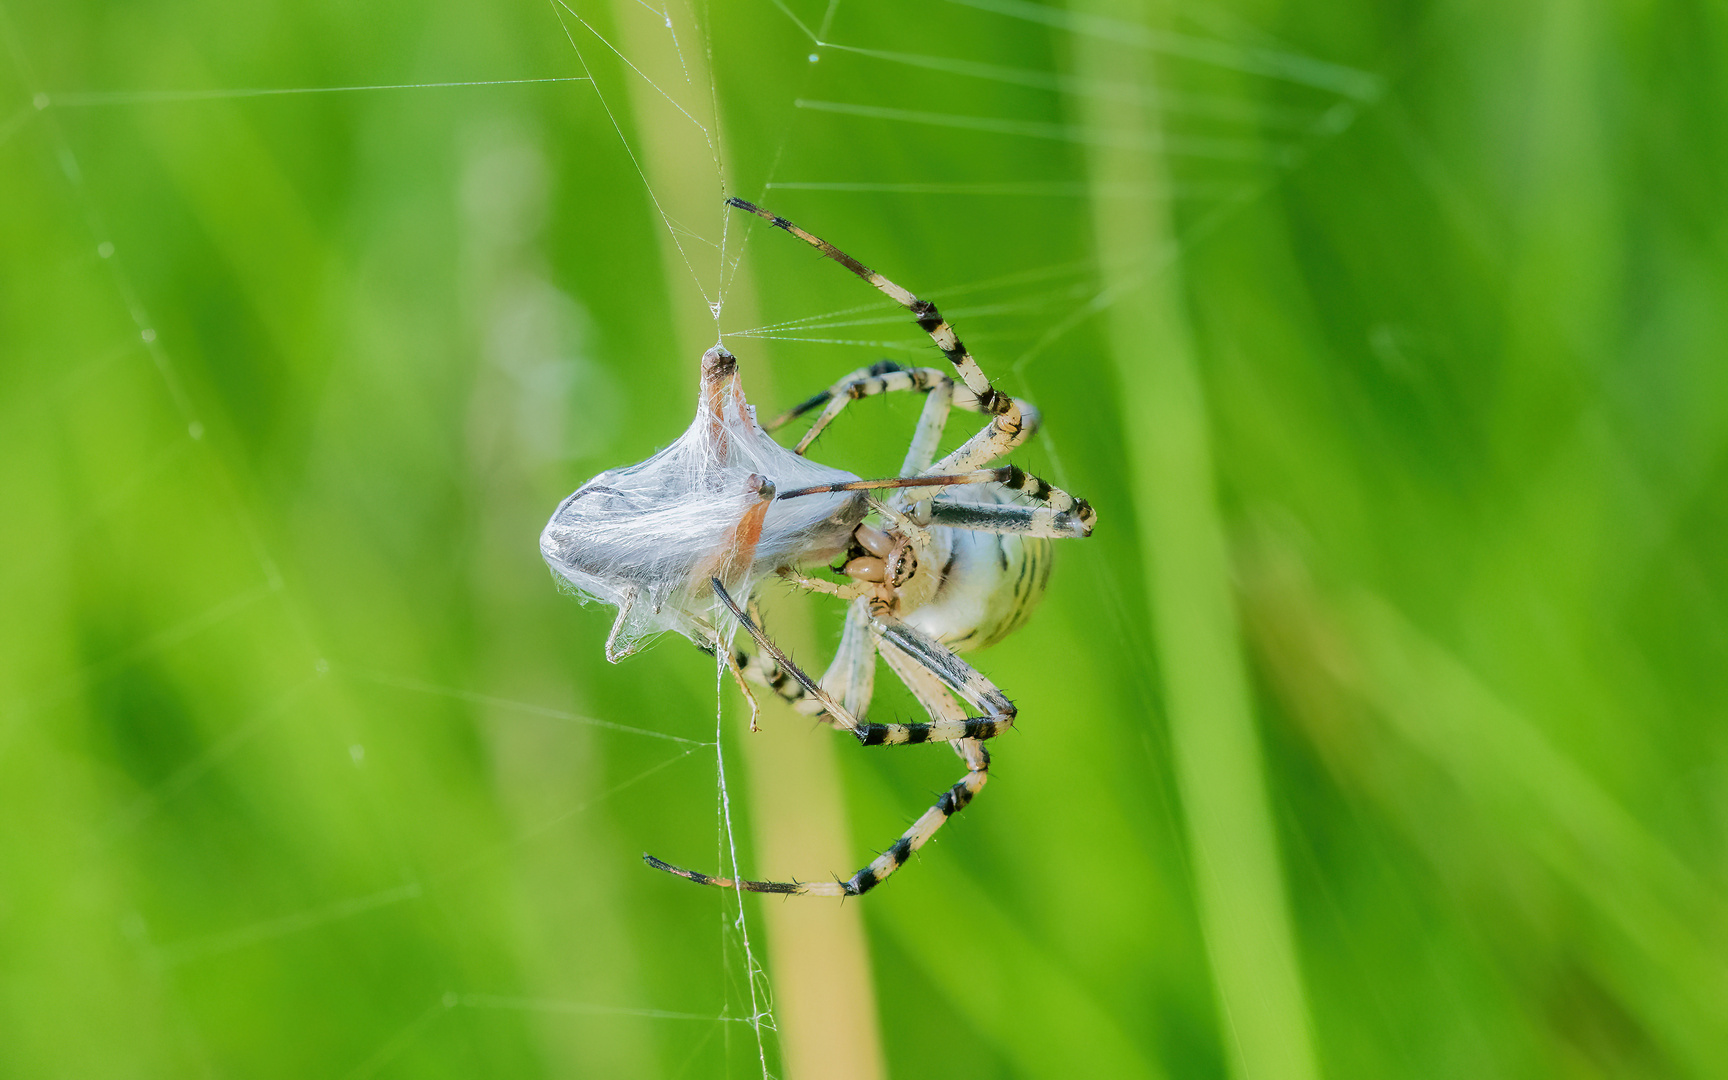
point(765, 672)
point(886, 377)
point(931, 694)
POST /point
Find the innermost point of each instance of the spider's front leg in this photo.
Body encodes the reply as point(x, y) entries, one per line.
point(1012, 421)
point(1066, 515)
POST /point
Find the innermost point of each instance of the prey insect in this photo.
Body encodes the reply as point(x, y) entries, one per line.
point(950, 555)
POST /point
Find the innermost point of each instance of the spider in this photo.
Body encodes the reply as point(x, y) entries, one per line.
point(952, 560)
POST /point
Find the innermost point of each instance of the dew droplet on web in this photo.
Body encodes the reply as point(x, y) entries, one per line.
point(195, 429)
point(148, 336)
point(40, 101)
point(104, 250)
point(715, 308)
point(814, 58)
point(357, 752)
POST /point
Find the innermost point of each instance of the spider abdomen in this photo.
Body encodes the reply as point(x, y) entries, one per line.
point(987, 587)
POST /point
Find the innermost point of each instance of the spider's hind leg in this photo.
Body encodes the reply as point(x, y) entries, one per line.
point(930, 685)
point(933, 695)
point(1000, 713)
point(930, 320)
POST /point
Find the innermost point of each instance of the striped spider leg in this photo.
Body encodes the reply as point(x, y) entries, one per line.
point(931, 671)
point(1011, 421)
point(956, 564)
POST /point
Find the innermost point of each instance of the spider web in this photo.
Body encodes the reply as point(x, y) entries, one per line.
point(1060, 298)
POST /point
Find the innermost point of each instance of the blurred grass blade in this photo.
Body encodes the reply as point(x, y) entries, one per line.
point(1234, 856)
point(1375, 693)
point(1558, 812)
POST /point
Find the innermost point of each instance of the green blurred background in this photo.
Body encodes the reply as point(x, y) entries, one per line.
point(296, 773)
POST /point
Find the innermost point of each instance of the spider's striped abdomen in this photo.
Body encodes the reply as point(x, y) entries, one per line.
point(987, 584)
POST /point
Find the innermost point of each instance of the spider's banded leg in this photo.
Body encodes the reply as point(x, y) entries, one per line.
point(929, 688)
point(954, 800)
point(1005, 431)
point(832, 709)
point(931, 693)
point(992, 443)
point(789, 888)
point(883, 377)
point(980, 727)
point(954, 673)
point(1009, 477)
point(929, 319)
point(1033, 521)
point(850, 678)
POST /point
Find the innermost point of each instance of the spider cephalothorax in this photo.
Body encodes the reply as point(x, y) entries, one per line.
point(952, 561)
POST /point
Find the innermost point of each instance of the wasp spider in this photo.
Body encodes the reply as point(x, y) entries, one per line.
point(949, 555)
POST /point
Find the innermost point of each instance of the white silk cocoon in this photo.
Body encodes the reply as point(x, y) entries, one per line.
point(648, 538)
